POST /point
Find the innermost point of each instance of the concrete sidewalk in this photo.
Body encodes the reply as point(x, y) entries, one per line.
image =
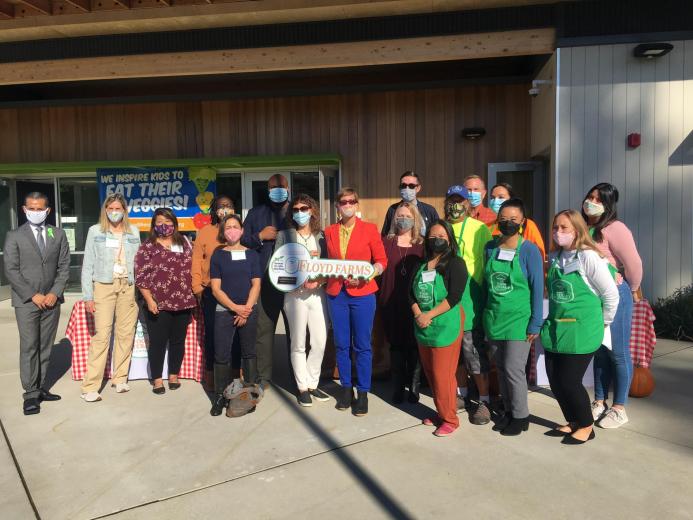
point(139, 455)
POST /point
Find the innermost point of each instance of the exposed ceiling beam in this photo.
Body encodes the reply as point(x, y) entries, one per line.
point(190, 14)
point(43, 6)
point(82, 5)
point(268, 59)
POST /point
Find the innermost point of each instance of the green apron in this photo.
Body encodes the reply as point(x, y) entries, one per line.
point(445, 328)
point(508, 298)
point(575, 324)
point(473, 295)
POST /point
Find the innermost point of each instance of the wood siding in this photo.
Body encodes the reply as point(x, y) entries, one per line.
point(379, 135)
point(604, 94)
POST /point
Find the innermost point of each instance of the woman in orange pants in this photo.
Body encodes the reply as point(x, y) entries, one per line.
point(436, 294)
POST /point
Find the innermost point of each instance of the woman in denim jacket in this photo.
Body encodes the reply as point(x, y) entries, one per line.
point(108, 289)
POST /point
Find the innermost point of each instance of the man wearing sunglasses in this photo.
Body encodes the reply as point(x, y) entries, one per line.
point(409, 188)
point(259, 233)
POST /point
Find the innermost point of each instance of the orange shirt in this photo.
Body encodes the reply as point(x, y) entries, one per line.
point(205, 244)
point(530, 233)
point(486, 215)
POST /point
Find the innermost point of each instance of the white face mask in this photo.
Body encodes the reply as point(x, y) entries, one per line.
point(115, 216)
point(348, 211)
point(593, 210)
point(36, 217)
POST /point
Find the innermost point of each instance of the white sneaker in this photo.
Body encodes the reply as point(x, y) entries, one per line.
point(121, 388)
point(614, 418)
point(598, 410)
point(91, 397)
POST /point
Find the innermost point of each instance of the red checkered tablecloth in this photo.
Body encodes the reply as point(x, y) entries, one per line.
point(80, 329)
point(642, 336)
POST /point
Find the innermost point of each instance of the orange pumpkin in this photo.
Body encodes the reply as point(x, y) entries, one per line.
point(643, 383)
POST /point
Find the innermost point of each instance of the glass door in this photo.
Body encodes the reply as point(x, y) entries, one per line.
point(329, 185)
point(255, 189)
point(79, 209)
point(529, 184)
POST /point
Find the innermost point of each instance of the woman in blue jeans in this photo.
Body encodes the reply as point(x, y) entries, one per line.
point(616, 242)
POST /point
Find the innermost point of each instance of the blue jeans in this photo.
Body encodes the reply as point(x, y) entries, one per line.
point(616, 364)
point(352, 323)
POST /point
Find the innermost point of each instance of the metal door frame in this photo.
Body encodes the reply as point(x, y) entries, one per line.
point(539, 186)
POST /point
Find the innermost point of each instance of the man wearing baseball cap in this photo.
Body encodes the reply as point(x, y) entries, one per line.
point(472, 237)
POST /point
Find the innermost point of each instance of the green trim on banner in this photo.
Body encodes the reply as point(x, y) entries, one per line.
point(255, 161)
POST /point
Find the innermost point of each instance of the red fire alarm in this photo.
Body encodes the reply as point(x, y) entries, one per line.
point(633, 140)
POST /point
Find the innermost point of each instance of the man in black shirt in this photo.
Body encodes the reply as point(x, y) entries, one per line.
point(409, 188)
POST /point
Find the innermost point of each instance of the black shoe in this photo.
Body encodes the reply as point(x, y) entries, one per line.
point(502, 423)
point(218, 405)
point(174, 386)
point(45, 395)
point(319, 395)
point(516, 427)
point(572, 441)
point(346, 397)
point(159, 390)
point(361, 404)
point(32, 406)
point(304, 398)
point(556, 433)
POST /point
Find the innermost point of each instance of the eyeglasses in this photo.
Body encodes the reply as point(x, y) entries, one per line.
point(411, 186)
point(348, 202)
point(302, 209)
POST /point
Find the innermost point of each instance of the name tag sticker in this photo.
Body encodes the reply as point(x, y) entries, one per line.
point(428, 276)
point(237, 255)
point(506, 254)
point(571, 267)
point(112, 242)
point(175, 248)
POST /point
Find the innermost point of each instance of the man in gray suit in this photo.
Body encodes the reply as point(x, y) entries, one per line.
point(37, 264)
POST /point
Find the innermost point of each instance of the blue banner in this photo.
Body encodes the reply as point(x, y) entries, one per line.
point(188, 191)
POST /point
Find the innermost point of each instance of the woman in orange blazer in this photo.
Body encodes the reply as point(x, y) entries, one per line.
point(352, 302)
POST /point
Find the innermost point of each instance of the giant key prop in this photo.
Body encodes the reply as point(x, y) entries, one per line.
point(291, 265)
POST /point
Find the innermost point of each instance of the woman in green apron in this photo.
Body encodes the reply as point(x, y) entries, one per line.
point(583, 299)
point(514, 283)
point(435, 298)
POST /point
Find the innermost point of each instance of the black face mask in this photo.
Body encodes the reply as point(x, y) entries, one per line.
point(508, 228)
point(438, 245)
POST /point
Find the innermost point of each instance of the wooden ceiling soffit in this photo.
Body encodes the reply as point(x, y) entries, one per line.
point(133, 16)
point(268, 59)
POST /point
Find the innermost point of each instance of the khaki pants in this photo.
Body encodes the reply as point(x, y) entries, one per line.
point(112, 300)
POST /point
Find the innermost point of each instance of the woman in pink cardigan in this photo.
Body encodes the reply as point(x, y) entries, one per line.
point(616, 242)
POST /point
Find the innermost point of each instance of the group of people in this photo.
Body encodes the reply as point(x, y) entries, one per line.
point(454, 295)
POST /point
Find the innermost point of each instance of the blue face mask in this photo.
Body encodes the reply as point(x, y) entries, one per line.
point(301, 218)
point(496, 203)
point(474, 198)
point(278, 195)
point(407, 194)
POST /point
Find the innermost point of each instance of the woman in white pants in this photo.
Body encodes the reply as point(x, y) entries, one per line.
point(306, 306)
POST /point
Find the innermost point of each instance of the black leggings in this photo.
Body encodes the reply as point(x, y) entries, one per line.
point(565, 373)
point(167, 327)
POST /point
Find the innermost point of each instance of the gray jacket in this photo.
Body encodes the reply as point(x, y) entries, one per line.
point(28, 272)
point(98, 262)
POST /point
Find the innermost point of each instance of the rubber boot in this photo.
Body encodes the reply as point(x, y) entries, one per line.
point(415, 384)
point(222, 378)
point(398, 375)
point(249, 367)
